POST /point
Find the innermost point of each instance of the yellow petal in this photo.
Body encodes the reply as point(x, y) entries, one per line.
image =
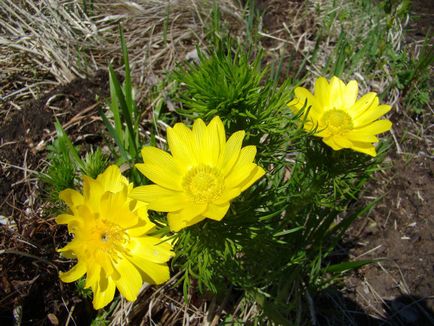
point(216, 212)
point(366, 148)
point(153, 273)
point(114, 208)
point(254, 176)
point(350, 94)
point(231, 152)
point(67, 218)
point(104, 292)
point(195, 220)
point(322, 93)
point(93, 276)
point(70, 247)
point(371, 115)
point(160, 199)
point(141, 229)
point(211, 143)
point(175, 222)
point(330, 142)
point(105, 261)
point(220, 130)
point(184, 217)
point(337, 93)
point(85, 213)
point(376, 127)
point(182, 145)
point(200, 134)
point(140, 208)
point(144, 224)
point(92, 191)
point(198, 129)
point(366, 102)
point(73, 221)
point(356, 135)
point(308, 101)
point(160, 167)
point(247, 155)
point(130, 281)
point(296, 105)
point(67, 253)
point(151, 249)
point(74, 273)
point(239, 175)
point(161, 175)
point(72, 198)
point(227, 195)
point(341, 141)
point(112, 179)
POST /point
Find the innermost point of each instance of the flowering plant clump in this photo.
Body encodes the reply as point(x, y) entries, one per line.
point(334, 114)
point(203, 174)
point(111, 241)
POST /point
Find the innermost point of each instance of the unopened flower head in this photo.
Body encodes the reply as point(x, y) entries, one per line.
point(110, 239)
point(201, 176)
point(336, 115)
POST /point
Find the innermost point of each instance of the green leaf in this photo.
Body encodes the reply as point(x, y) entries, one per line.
point(125, 113)
point(114, 104)
point(296, 229)
point(115, 135)
point(347, 266)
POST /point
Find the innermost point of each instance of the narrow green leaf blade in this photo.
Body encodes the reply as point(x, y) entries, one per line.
point(347, 266)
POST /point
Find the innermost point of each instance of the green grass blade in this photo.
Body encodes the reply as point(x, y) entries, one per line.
point(132, 148)
point(115, 135)
point(114, 104)
point(296, 229)
point(128, 89)
point(347, 266)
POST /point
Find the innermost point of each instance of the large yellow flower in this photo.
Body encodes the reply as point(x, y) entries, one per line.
point(201, 176)
point(336, 115)
point(110, 240)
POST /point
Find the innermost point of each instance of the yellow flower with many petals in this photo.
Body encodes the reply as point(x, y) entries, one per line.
point(336, 115)
point(203, 174)
point(110, 239)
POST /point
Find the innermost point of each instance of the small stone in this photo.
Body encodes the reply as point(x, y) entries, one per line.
point(193, 56)
point(53, 319)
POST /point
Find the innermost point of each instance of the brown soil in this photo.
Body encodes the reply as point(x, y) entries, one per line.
point(400, 229)
point(399, 232)
point(29, 266)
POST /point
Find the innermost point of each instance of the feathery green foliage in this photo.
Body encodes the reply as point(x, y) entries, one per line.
point(65, 164)
point(94, 163)
point(230, 82)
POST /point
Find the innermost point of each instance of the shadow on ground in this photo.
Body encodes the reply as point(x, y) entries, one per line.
point(404, 310)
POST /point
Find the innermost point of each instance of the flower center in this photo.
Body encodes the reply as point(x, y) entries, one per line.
point(337, 121)
point(107, 237)
point(203, 183)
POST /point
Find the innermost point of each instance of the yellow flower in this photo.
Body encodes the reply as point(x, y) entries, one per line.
point(110, 241)
point(336, 115)
point(201, 176)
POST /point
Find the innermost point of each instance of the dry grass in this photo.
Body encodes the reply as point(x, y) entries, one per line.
point(58, 41)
